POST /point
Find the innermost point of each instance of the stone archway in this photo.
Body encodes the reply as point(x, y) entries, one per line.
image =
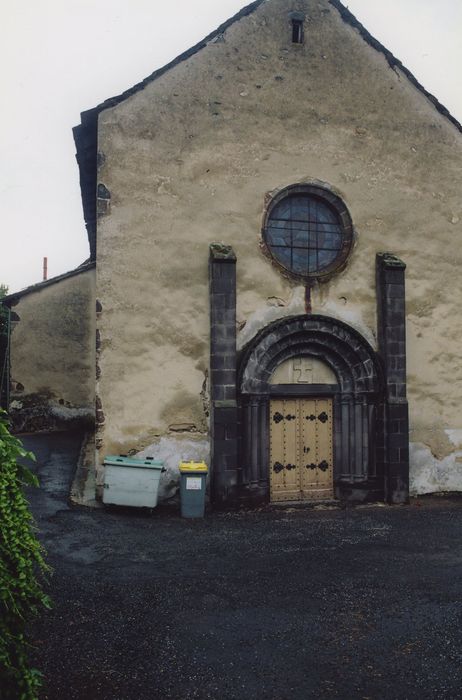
point(358, 403)
point(371, 436)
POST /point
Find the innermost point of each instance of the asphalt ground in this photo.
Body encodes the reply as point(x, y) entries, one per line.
point(273, 604)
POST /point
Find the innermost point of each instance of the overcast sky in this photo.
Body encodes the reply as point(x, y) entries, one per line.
point(60, 57)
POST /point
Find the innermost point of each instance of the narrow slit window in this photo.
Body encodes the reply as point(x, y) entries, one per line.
point(297, 31)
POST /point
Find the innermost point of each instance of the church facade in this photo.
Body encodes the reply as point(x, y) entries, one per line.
point(276, 222)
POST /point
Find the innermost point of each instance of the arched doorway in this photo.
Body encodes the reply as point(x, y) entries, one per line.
point(348, 427)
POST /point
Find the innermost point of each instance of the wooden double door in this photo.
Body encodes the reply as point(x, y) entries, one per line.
point(301, 449)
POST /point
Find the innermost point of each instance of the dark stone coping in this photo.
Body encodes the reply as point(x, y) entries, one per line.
point(389, 260)
point(222, 253)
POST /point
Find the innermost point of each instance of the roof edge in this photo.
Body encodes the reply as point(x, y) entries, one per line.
point(12, 299)
point(392, 61)
point(346, 15)
point(112, 101)
point(86, 136)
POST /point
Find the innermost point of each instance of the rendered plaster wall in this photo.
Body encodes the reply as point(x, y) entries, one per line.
point(53, 354)
point(192, 158)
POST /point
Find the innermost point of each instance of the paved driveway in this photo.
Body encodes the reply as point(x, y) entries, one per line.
point(271, 604)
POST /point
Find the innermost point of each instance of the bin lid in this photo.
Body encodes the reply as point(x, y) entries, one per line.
point(193, 467)
point(124, 461)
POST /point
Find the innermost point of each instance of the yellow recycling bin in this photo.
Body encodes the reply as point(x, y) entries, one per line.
point(193, 480)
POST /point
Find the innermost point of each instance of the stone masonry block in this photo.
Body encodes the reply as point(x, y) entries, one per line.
point(223, 392)
point(223, 376)
point(395, 291)
point(222, 362)
point(218, 431)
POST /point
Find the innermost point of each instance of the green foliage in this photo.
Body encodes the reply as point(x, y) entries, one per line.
point(21, 566)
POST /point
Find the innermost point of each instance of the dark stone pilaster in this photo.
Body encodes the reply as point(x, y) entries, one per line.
point(223, 418)
point(254, 452)
point(391, 326)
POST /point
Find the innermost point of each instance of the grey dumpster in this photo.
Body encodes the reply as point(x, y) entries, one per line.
point(129, 481)
point(192, 489)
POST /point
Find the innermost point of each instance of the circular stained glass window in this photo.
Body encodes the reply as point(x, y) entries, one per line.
point(308, 231)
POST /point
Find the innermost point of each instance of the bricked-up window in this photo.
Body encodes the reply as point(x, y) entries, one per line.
point(297, 31)
point(308, 231)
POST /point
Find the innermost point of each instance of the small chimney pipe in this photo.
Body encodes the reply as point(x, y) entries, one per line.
point(45, 269)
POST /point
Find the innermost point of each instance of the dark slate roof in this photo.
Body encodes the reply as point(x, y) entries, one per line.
point(86, 133)
point(12, 299)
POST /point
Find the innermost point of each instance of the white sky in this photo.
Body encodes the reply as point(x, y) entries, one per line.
point(61, 57)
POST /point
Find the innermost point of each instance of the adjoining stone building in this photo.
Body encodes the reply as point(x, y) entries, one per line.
point(253, 209)
point(51, 358)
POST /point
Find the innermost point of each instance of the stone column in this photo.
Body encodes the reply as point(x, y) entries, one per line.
point(391, 322)
point(223, 418)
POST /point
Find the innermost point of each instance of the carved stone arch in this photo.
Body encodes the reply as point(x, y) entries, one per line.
point(358, 400)
point(355, 363)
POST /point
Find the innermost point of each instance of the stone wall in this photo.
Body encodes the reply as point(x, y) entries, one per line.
point(193, 158)
point(52, 354)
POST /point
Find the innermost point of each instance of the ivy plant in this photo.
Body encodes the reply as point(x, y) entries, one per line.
point(22, 568)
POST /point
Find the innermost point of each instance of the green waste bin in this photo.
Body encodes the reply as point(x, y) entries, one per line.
point(129, 481)
point(193, 480)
